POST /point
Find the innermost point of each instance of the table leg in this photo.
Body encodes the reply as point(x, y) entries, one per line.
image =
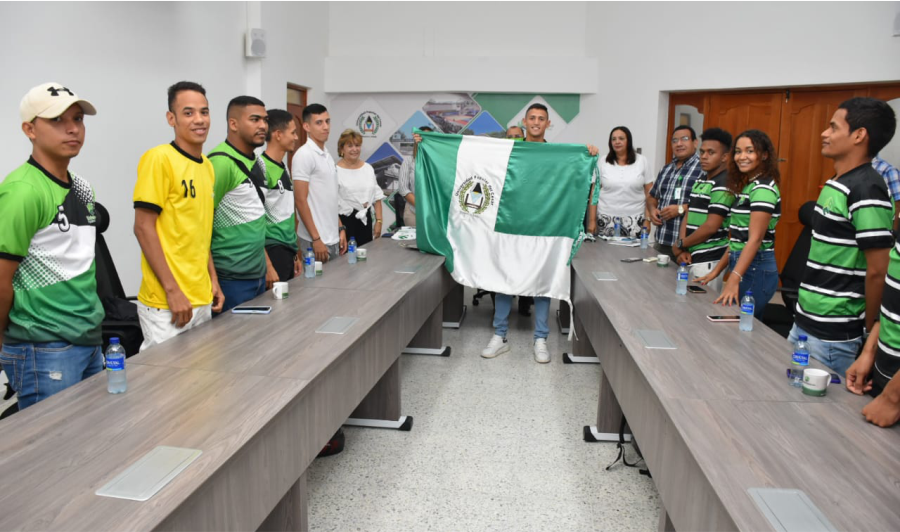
point(582, 350)
point(381, 407)
point(428, 340)
point(562, 318)
point(609, 417)
point(291, 511)
point(665, 524)
point(454, 307)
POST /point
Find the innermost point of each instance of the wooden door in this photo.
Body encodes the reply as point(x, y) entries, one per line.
point(739, 112)
point(699, 101)
point(803, 169)
point(296, 101)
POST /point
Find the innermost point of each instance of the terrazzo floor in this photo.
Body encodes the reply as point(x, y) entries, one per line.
point(496, 445)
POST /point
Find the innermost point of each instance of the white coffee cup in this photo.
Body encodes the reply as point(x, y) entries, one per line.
point(662, 260)
point(280, 290)
point(361, 254)
point(815, 381)
point(318, 267)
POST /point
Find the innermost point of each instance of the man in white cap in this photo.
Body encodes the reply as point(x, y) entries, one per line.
point(49, 310)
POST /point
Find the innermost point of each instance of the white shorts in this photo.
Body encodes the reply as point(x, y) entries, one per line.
point(157, 326)
point(702, 268)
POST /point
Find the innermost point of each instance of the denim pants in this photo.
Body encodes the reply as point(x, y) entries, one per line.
point(838, 356)
point(37, 371)
point(237, 291)
point(761, 277)
point(502, 305)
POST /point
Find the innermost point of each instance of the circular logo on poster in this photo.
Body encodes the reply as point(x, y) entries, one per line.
point(368, 123)
point(475, 195)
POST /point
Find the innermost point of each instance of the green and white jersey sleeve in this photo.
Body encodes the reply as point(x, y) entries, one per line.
point(239, 223)
point(49, 227)
point(279, 205)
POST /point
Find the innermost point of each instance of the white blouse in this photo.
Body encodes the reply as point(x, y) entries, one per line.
point(357, 189)
point(622, 187)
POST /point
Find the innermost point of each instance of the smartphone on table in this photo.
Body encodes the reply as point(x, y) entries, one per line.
point(251, 310)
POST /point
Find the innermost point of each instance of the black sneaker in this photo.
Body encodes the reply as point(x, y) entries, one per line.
point(334, 446)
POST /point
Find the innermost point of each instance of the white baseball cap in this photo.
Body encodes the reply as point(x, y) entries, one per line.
point(49, 100)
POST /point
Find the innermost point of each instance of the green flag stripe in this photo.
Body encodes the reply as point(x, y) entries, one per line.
point(433, 202)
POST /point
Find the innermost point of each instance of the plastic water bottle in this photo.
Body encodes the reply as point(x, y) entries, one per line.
point(681, 281)
point(645, 238)
point(748, 305)
point(351, 251)
point(799, 361)
point(617, 227)
point(309, 264)
point(115, 367)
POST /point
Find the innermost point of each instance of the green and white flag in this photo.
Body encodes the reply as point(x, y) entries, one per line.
point(508, 216)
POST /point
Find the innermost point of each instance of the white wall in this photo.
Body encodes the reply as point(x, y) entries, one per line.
point(641, 50)
point(122, 56)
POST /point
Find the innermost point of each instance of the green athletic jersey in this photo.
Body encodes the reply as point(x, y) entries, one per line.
point(49, 227)
point(239, 222)
point(854, 213)
point(280, 229)
point(759, 195)
point(709, 196)
point(887, 356)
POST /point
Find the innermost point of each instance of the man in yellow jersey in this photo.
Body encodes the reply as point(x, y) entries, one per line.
point(173, 217)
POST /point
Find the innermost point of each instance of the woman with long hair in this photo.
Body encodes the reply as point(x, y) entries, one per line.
point(625, 181)
point(753, 177)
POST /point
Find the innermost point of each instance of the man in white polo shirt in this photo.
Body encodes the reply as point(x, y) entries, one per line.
point(316, 189)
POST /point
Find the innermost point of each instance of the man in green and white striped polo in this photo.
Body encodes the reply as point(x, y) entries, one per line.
point(840, 294)
point(704, 235)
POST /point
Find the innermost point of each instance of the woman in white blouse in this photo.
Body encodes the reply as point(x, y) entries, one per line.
point(358, 191)
point(625, 181)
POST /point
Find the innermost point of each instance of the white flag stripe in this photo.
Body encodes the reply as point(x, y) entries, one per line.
point(515, 269)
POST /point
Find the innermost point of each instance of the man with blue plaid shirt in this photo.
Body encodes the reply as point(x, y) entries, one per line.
point(671, 191)
point(892, 177)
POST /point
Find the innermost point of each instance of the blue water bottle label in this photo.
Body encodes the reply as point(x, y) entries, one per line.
point(115, 364)
point(352, 248)
point(746, 308)
point(683, 276)
point(307, 261)
point(801, 359)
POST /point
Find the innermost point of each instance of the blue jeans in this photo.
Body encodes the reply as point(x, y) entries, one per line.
point(237, 291)
point(838, 356)
point(502, 304)
point(761, 277)
point(37, 371)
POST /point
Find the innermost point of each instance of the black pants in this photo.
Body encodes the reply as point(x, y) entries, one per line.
point(282, 258)
point(356, 229)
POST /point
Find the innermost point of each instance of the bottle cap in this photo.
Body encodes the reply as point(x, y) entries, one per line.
point(803, 337)
point(684, 264)
point(308, 249)
point(749, 293)
point(113, 340)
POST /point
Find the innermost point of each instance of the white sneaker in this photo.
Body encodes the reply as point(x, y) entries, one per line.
point(497, 346)
point(541, 353)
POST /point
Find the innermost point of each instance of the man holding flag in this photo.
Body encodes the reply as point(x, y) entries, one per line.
point(507, 216)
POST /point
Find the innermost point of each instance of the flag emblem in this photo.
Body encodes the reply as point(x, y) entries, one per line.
point(475, 195)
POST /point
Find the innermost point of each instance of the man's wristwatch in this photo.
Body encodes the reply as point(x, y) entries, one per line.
point(679, 244)
point(680, 209)
point(341, 228)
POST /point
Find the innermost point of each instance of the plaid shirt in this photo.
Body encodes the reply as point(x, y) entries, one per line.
point(890, 174)
point(673, 187)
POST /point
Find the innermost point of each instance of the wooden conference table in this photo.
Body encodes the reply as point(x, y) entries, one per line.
point(716, 417)
point(259, 395)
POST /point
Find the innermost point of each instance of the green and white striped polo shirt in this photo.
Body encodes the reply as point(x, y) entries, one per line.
point(709, 196)
point(854, 213)
point(759, 195)
point(887, 356)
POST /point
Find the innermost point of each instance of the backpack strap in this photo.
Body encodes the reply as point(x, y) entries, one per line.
point(257, 180)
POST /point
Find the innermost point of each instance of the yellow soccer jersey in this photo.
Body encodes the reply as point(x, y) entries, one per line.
point(179, 187)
